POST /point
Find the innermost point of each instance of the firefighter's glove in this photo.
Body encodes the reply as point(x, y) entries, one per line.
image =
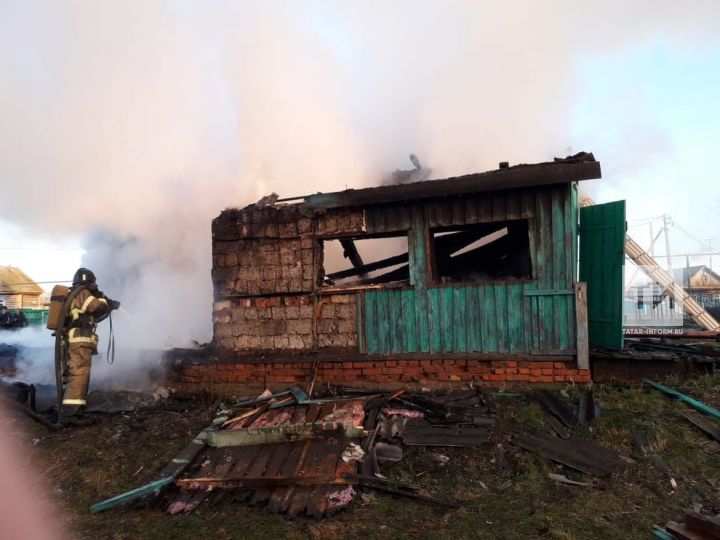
point(113, 305)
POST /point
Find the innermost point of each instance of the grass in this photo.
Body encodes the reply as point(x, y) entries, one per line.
point(505, 492)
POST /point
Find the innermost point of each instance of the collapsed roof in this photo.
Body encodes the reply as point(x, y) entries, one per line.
point(581, 166)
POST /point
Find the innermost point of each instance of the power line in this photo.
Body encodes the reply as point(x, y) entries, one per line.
point(39, 249)
point(38, 282)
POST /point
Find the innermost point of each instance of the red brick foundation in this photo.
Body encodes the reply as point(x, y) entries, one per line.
point(233, 377)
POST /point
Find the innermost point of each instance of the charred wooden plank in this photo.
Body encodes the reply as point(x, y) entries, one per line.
point(223, 463)
point(278, 454)
point(370, 267)
point(585, 456)
point(706, 526)
point(587, 408)
point(350, 252)
point(316, 499)
point(422, 433)
point(255, 482)
point(318, 450)
point(702, 423)
point(396, 488)
point(556, 426)
point(553, 404)
point(681, 531)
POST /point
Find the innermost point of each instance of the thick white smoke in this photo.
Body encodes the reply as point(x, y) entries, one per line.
point(134, 123)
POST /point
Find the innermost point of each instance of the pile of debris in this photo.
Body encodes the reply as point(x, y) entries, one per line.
point(298, 454)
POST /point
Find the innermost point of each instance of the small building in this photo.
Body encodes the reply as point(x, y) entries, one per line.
point(702, 283)
point(17, 290)
point(649, 304)
point(471, 278)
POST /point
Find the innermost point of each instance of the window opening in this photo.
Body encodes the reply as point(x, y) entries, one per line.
point(483, 252)
point(365, 261)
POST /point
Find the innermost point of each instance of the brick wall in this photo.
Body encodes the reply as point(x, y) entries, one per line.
point(260, 266)
point(337, 321)
point(247, 377)
point(267, 266)
point(281, 322)
point(286, 323)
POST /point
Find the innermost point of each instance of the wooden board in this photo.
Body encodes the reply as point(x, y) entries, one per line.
point(585, 456)
point(702, 423)
point(422, 433)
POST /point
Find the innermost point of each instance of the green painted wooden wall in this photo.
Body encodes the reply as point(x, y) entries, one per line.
point(536, 315)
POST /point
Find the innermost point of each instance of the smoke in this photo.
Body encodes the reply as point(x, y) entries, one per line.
point(35, 360)
point(133, 124)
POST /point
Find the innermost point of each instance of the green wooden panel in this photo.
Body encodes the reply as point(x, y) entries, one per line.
point(398, 324)
point(602, 243)
point(407, 298)
point(434, 319)
point(459, 318)
point(482, 317)
point(516, 319)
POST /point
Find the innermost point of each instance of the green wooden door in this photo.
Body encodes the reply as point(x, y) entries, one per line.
point(602, 259)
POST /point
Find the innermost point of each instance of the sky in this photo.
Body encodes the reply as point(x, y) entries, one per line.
point(653, 111)
point(128, 126)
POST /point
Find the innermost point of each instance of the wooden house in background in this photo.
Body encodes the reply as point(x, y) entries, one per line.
point(18, 290)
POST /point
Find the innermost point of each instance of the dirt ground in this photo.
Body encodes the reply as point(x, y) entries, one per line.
point(504, 491)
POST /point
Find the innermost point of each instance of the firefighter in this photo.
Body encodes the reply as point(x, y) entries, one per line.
point(88, 307)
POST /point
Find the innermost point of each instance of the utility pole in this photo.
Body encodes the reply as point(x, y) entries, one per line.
point(666, 225)
point(709, 243)
point(652, 239)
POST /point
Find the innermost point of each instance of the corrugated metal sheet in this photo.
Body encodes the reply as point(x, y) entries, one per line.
point(602, 244)
point(535, 316)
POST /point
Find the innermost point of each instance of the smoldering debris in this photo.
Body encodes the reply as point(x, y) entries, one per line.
point(300, 454)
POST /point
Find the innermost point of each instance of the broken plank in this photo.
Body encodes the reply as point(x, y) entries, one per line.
point(587, 408)
point(662, 534)
point(217, 462)
point(421, 433)
point(171, 471)
point(553, 404)
point(256, 482)
point(708, 526)
point(318, 453)
point(702, 423)
point(391, 487)
point(556, 426)
point(181, 462)
point(680, 530)
point(585, 456)
point(278, 434)
point(358, 478)
point(699, 405)
point(131, 495)
point(561, 478)
point(317, 500)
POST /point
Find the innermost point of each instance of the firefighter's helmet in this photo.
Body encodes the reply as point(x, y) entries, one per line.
point(83, 276)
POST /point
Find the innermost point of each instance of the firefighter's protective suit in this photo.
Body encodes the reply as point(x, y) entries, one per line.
point(88, 307)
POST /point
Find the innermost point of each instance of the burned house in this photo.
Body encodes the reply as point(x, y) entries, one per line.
point(471, 278)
